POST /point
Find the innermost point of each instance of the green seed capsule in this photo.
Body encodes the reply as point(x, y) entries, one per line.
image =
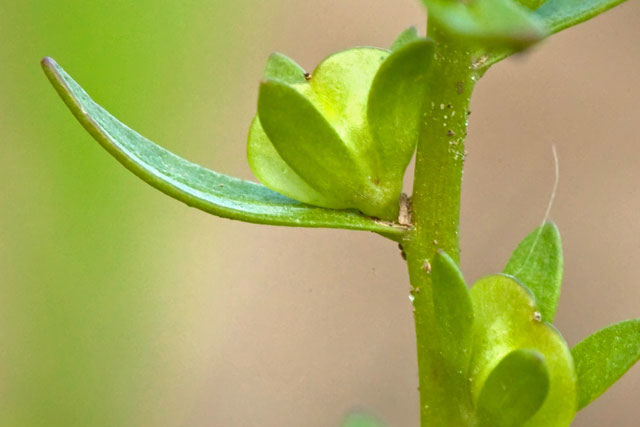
point(342, 137)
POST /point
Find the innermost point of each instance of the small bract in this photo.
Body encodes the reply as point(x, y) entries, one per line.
point(341, 137)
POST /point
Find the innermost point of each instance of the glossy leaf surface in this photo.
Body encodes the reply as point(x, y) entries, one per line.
point(453, 311)
point(204, 189)
point(395, 104)
point(602, 358)
point(507, 319)
point(487, 23)
point(537, 263)
point(514, 391)
point(560, 14)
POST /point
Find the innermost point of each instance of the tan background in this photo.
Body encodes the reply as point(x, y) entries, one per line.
point(241, 325)
point(315, 322)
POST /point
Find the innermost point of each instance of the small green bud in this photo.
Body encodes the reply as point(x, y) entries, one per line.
point(342, 137)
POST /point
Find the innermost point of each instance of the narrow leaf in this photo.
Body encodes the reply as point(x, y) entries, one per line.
point(514, 390)
point(488, 23)
point(537, 263)
point(507, 319)
point(395, 104)
point(204, 189)
point(453, 311)
point(281, 67)
point(560, 14)
point(407, 36)
point(602, 358)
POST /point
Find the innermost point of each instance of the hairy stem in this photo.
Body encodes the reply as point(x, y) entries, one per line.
point(436, 211)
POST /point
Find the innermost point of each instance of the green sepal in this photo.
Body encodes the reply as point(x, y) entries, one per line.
point(194, 185)
point(453, 311)
point(320, 130)
point(507, 319)
point(558, 15)
point(312, 147)
point(537, 263)
point(602, 358)
point(267, 165)
point(281, 67)
point(407, 36)
point(264, 160)
point(514, 391)
point(394, 109)
point(487, 23)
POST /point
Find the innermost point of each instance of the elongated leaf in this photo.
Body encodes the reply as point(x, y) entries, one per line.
point(209, 191)
point(560, 14)
point(488, 23)
point(514, 390)
point(507, 319)
point(395, 103)
point(537, 263)
point(407, 36)
point(453, 310)
point(281, 67)
point(602, 358)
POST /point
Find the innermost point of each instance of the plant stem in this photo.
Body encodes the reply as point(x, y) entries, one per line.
point(436, 212)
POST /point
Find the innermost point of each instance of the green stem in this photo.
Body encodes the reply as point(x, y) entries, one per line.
point(436, 211)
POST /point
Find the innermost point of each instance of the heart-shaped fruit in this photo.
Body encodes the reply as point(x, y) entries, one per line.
point(342, 137)
point(507, 320)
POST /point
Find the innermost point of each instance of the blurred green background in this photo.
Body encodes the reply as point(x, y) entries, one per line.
point(83, 258)
point(122, 307)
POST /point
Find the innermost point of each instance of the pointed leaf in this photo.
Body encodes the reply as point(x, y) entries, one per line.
point(453, 311)
point(267, 165)
point(514, 390)
point(560, 14)
point(283, 68)
point(537, 263)
point(507, 319)
point(602, 358)
point(407, 36)
point(395, 105)
point(209, 191)
point(489, 23)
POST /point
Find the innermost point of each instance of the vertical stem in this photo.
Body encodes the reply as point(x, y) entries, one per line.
point(436, 211)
